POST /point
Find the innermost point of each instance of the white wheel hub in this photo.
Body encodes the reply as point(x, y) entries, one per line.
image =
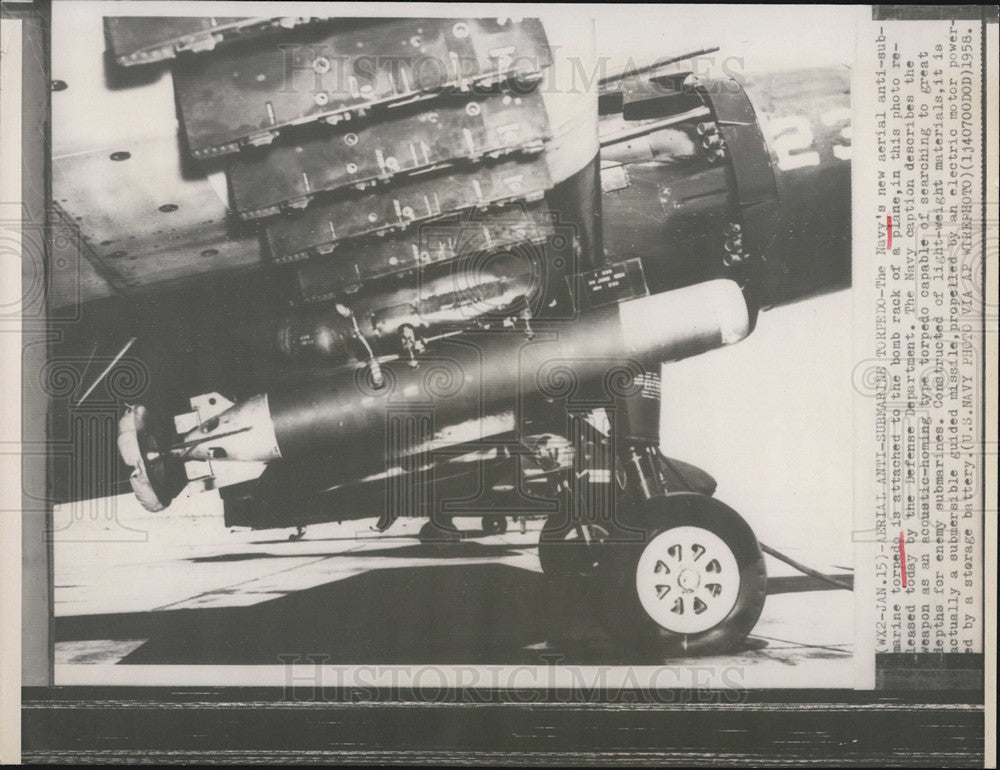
point(687, 579)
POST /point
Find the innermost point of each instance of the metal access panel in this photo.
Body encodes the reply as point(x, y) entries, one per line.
point(321, 226)
point(139, 235)
point(248, 94)
point(264, 181)
point(467, 235)
point(133, 40)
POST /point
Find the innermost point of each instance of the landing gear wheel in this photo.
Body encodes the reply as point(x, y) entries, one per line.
point(439, 534)
point(571, 550)
point(697, 582)
point(687, 579)
point(494, 524)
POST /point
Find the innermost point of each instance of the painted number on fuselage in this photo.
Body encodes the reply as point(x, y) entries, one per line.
point(840, 116)
point(793, 142)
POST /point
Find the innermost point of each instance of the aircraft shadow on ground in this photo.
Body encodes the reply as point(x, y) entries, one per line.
point(462, 550)
point(455, 614)
point(439, 614)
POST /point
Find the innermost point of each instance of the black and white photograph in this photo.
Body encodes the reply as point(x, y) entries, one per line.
point(432, 368)
point(431, 350)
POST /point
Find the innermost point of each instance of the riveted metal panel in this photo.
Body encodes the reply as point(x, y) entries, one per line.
point(321, 226)
point(140, 234)
point(134, 40)
point(247, 95)
point(438, 242)
point(445, 132)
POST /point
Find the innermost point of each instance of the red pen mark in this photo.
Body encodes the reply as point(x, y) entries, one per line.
point(902, 559)
point(888, 230)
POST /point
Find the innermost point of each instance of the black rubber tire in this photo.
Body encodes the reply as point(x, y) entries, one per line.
point(439, 534)
point(563, 553)
point(619, 600)
point(494, 524)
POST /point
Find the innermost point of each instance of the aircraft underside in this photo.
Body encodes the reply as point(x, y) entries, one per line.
point(450, 293)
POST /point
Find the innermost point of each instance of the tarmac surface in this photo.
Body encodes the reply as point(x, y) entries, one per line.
point(184, 590)
point(769, 417)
